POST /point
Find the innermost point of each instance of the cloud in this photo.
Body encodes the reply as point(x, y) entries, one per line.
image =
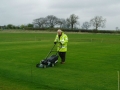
point(19, 12)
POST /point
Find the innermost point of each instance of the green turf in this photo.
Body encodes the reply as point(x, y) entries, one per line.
point(92, 62)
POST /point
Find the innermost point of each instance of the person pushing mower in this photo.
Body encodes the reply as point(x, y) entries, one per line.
point(61, 40)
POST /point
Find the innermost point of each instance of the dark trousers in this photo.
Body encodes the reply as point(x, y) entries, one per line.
point(62, 56)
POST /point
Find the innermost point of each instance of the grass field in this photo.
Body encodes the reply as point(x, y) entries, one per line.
point(92, 62)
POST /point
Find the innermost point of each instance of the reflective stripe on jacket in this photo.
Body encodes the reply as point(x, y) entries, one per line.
point(62, 42)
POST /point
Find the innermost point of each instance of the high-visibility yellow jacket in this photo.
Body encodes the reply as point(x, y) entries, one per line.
point(61, 42)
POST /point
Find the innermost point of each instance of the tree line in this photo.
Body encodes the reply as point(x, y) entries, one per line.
point(70, 23)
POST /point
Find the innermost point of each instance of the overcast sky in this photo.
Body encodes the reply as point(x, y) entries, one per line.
point(19, 12)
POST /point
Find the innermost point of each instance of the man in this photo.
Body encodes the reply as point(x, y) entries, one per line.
point(61, 40)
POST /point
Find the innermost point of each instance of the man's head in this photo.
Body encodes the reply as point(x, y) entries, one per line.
point(59, 32)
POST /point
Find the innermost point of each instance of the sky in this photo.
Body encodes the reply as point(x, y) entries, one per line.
point(18, 12)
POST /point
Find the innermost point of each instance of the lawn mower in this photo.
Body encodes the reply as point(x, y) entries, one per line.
point(49, 61)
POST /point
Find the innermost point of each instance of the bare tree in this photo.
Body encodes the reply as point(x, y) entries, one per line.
point(86, 25)
point(61, 22)
point(97, 22)
point(51, 21)
point(72, 20)
point(40, 22)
